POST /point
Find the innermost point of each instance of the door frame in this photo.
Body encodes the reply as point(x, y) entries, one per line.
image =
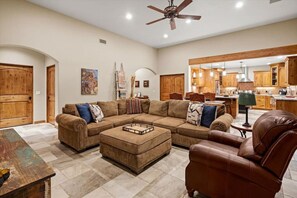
point(47, 105)
point(171, 75)
point(32, 99)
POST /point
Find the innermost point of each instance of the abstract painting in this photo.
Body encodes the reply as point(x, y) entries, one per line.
point(89, 81)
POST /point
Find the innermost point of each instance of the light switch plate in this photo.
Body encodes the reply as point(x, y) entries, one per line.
point(37, 92)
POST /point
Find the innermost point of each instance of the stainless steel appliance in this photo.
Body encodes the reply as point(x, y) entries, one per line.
point(282, 91)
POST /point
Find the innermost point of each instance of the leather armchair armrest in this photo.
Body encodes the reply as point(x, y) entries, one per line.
point(71, 122)
point(233, 164)
point(222, 123)
point(225, 138)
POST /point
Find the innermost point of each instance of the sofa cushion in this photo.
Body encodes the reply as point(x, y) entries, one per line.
point(84, 112)
point(120, 120)
point(133, 106)
point(122, 106)
point(269, 126)
point(178, 108)
point(145, 105)
point(71, 109)
point(146, 118)
point(194, 113)
point(169, 123)
point(158, 108)
point(209, 114)
point(96, 112)
point(194, 131)
point(96, 128)
point(109, 108)
point(132, 143)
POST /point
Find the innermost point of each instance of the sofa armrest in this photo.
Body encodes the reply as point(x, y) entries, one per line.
point(233, 164)
point(222, 123)
point(225, 138)
point(71, 122)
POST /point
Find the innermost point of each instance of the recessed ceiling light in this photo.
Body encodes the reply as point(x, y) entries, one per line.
point(165, 35)
point(129, 16)
point(239, 4)
point(188, 21)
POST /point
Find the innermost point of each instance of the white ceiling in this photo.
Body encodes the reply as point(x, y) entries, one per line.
point(218, 17)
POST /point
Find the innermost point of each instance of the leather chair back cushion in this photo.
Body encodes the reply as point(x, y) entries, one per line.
point(178, 108)
point(158, 108)
point(246, 150)
point(269, 127)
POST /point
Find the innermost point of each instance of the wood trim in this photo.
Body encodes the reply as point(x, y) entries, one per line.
point(16, 65)
point(172, 74)
point(39, 121)
point(284, 50)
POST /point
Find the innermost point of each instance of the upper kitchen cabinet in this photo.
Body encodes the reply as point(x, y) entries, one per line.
point(277, 74)
point(291, 70)
point(229, 80)
point(262, 78)
point(198, 77)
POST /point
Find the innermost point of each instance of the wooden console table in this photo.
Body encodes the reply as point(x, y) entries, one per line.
point(30, 176)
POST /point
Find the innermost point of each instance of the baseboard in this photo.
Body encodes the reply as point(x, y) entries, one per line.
point(39, 121)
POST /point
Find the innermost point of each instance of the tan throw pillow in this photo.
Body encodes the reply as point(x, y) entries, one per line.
point(145, 105)
point(158, 108)
point(194, 113)
point(133, 106)
point(96, 112)
point(109, 108)
point(122, 106)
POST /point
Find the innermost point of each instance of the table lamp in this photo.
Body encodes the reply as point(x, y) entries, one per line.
point(247, 99)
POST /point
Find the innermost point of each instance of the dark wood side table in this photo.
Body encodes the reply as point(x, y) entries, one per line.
point(242, 129)
point(30, 176)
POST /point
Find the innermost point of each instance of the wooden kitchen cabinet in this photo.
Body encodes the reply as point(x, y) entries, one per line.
point(230, 80)
point(198, 81)
point(278, 74)
point(291, 70)
point(282, 77)
point(262, 78)
point(263, 102)
point(287, 105)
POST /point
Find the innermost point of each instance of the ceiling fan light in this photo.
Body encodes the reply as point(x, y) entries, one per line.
point(188, 21)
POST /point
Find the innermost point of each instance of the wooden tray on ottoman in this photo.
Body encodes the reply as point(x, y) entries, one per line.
point(137, 128)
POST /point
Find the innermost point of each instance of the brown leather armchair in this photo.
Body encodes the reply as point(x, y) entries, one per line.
point(230, 166)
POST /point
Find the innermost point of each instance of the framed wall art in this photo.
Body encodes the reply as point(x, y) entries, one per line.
point(146, 83)
point(89, 81)
point(137, 83)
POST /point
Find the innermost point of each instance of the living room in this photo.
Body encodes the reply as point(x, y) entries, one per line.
point(82, 35)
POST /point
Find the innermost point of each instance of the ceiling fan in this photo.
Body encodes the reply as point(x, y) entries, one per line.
point(172, 11)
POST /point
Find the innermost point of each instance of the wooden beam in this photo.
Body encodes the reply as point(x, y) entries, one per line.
point(276, 51)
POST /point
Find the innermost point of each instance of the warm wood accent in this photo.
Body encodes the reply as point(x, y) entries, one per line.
point(39, 121)
point(30, 175)
point(16, 95)
point(282, 77)
point(210, 82)
point(291, 70)
point(171, 84)
point(230, 80)
point(198, 81)
point(262, 78)
point(50, 90)
point(278, 77)
point(263, 102)
point(231, 105)
point(284, 50)
point(287, 105)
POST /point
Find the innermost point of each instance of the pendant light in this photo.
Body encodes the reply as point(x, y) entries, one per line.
point(224, 70)
point(200, 72)
point(211, 72)
point(194, 74)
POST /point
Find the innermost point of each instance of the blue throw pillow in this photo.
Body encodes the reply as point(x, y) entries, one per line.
point(208, 115)
point(84, 112)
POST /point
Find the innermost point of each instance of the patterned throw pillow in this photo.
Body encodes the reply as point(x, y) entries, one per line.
point(194, 113)
point(133, 106)
point(97, 113)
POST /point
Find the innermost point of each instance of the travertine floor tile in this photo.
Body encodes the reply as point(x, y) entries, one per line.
point(99, 192)
point(57, 191)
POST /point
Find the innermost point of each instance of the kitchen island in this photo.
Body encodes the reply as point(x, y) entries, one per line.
point(286, 104)
point(231, 103)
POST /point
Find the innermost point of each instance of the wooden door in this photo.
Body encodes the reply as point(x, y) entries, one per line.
point(171, 84)
point(50, 89)
point(16, 95)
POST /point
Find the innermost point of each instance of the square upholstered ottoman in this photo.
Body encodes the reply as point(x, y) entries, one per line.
point(132, 150)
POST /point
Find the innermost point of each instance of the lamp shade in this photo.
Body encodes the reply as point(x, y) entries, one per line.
point(247, 99)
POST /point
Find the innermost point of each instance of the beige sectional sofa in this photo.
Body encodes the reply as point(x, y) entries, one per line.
point(75, 132)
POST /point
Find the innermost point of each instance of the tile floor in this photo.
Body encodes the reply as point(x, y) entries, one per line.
point(88, 175)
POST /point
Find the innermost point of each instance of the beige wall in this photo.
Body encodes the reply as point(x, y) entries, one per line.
point(174, 59)
point(21, 56)
point(146, 74)
point(74, 45)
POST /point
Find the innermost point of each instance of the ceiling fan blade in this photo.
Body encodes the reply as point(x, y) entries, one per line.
point(184, 4)
point(185, 16)
point(156, 9)
point(155, 21)
point(172, 24)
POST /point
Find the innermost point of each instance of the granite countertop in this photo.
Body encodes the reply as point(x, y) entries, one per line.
point(285, 98)
point(231, 97)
